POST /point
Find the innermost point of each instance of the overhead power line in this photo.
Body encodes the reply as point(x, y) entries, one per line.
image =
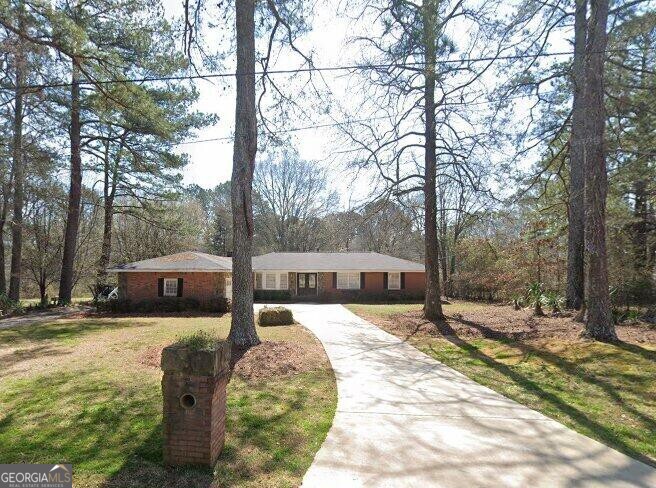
point(359, 121)
point(309, 69)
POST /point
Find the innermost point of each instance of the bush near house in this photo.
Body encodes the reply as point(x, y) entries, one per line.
point(272, 295)
point(275, 316)
point(164, 305)
point(387, 296)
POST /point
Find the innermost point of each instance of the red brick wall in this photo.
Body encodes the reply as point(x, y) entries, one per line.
point(415, 282)
point(415, 285)
point(196, 435)
point(204, 287)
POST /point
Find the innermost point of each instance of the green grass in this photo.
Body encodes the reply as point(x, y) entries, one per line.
point(605, 391)
point(78, 391)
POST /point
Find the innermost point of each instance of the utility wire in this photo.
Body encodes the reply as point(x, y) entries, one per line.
point(308, 69)
point(356, 121)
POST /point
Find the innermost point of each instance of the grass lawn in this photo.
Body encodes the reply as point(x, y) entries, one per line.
point(87, 392)
point(605, 391)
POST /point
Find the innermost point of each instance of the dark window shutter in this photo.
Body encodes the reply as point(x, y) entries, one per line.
point(179, 287)
point(362, 281)
point(160, 287)
point(403, 281)
point(335, 280)
point(385, 278)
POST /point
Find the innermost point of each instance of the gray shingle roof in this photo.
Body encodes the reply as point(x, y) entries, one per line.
point(333, 261)
point(278, 261)
point(182, 262)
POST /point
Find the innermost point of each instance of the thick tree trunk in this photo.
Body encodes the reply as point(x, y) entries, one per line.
point(6, 188)
point(109, 193)
point(106, 248)
point(19, 176)
point(642, 211)
point(599, 323)
point(42, 291)
point(74, 194)
point(576, 207)
point(432, 303)
point(443, 247)
point(641, 228)
point(242, 331)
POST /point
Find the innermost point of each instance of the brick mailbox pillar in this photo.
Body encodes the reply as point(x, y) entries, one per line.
point(194, 391)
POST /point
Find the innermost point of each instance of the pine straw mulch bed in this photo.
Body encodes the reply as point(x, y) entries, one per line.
point(269, 359)
point(504, 323)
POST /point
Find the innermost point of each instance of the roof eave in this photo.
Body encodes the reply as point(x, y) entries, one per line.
point(160, 270)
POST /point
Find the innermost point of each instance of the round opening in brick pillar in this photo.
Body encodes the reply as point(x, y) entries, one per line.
point(188, 401)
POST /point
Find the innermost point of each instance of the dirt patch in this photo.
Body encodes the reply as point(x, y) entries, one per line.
point(277, 358)
point(266, 360)
point(151, 356)
point(503, 322)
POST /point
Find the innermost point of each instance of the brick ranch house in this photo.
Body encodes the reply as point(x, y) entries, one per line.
point(277, 276)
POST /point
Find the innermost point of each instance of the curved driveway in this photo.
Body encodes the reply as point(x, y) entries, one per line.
point(406, 420)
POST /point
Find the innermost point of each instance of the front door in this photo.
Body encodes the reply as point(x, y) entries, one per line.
point(306, 284)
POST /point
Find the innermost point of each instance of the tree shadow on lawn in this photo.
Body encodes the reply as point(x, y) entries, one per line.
point(7, 361)
point(144, 468)
point(577, 416)
point(261, 439)
point(63, 329)
point(648, 354)
point(98, 425)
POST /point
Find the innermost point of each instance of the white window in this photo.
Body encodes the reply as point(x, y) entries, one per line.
point(348, 281)
point(301, 280)
point(269, 281)
point(393, 281)
point(170, 287)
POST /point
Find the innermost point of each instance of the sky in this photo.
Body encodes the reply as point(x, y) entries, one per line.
point(211, 161)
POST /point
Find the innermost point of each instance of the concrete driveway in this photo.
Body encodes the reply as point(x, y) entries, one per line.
point(404, 419)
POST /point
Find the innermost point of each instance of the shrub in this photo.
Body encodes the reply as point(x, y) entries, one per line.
point(362, 296)
point(275, 316)
point(534, 297)
point(272, 295)
point(630, 316)
point(163, 305)
point(553, 300)
point(220, 305)
point(115, 306)
point(9, 306)
point(200, 340)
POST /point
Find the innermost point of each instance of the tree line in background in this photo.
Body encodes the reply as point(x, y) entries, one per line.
point(86, 156)
point(547, 201)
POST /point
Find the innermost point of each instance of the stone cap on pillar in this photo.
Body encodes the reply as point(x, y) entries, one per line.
point(214, 361)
